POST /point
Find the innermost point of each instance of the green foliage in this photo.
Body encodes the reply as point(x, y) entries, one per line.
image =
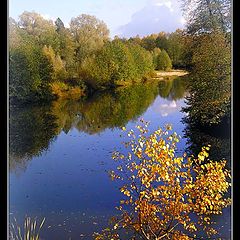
point(209, 55)
point(210, 89)
point(89, 35)
point(59, 72)
point(162, 41)
point(67, 52)
point(155, 54)
point(149, 42)
point(42, 30)
point(59, 25)
point(175, 48)
point(163, 61)
point(207, 16)
point(42, 53)
point(142, 60)
point(29, 73)
point(116, 62)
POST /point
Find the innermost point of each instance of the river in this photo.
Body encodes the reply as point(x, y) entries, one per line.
point(60, 155)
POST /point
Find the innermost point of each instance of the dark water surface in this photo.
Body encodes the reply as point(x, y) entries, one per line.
point(60, 155)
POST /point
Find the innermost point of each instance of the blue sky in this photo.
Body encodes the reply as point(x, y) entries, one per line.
point(123, 17)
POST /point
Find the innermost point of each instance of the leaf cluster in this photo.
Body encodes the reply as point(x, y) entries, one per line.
point(163, 191)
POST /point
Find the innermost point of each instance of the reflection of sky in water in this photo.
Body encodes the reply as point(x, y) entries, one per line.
point(168, 107)
point(69, 184)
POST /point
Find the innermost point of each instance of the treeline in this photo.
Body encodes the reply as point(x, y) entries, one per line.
point(171, 44)
point(49, 60)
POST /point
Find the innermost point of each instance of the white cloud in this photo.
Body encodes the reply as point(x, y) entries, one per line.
point(167, 3)
point(156, 16)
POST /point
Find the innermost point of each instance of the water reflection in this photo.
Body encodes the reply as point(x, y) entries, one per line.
point(33, 128)
point(173, 88)
point(217, 137)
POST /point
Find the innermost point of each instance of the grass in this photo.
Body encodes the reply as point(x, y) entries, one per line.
point(30, 231)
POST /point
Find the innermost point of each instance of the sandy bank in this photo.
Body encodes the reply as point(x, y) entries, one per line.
point(171, 73)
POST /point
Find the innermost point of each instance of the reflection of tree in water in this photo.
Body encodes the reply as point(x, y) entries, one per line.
point(67, 113)
point(115, 109)
point(173, 88)
point(218, 137)
point(34, 127)
point(31, 131)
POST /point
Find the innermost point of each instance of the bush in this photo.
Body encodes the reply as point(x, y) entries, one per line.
point(163, 193)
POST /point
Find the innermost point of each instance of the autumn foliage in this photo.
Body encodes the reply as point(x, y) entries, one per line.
point(166, 196)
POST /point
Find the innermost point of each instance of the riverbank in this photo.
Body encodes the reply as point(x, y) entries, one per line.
point(167, 75)
point(174, 72)
point(62, 90)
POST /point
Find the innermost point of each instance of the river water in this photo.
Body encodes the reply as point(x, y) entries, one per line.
point(60, 155)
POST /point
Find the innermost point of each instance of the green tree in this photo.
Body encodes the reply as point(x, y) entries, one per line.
point(89, 35)
point(14, 35)
point(155, 54)
point(59, 72)
point(42, 30)
point(175, 48)
point(149, 42)
point(67, 48)
point(135, 40)
point(205, 16)
point(162, 41)
point(142, 58)
point(164, 62)
point(29, 72)
point(112, 63)
point(210, 88)
point(209, 47)
point(59, 25)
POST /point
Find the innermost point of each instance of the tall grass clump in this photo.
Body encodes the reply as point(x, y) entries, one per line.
point(30, 231)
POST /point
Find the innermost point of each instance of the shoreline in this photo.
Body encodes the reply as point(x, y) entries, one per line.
point(174, 72)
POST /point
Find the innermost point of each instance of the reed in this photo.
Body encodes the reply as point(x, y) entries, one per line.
point(31, 229)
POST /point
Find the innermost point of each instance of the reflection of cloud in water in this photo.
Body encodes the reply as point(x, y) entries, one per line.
point(167, 108)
